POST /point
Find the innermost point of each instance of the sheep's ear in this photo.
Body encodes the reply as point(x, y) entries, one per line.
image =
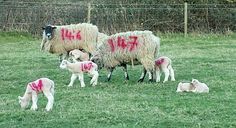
point(54, 27)
point(43, 28)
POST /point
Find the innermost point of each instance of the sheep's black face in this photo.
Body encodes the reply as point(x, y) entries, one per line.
point(48, 31)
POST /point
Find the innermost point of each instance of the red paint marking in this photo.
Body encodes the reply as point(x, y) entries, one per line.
point(78, 36)
point(37, 87)
point(159, 61)
point(62, 34)
point(86, 66)
point(121, 42)
point(133, 43)
point(110, 42)
point(70, 34)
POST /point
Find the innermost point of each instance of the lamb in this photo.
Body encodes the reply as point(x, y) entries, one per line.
point(44, 85)
point(136, 47)
point(164, 64)
point(199, 87)
point(78, 55)
point(194, 86)
point(185, 87)
point(78, 68)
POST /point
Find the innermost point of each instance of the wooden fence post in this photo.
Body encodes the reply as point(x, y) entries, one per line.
point(89, 12)
point(185, 18)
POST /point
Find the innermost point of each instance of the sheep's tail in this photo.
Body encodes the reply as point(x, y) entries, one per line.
point(157, 49)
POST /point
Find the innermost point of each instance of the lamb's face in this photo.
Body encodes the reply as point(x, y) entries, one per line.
point(195, 81)
point(48, 31)
point(63, 64)
point(23, 103)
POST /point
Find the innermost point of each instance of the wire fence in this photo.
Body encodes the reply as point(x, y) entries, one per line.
point(112, 18)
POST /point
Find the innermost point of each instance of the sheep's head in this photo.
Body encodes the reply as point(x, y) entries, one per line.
point(96, 58)
point(23, 102)
point(48, 31)
point(63, 64)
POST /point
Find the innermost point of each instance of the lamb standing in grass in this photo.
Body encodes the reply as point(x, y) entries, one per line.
point(78, 55)
point(78, 68)
point(140, 47)
point(44, 85)
point(164, 64)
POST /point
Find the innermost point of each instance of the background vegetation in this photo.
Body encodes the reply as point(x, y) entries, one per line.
point(209, 16)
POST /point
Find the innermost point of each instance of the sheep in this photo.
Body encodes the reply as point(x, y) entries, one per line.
point(62, 39)
point(78, 55)
point(199, 87)
point(185, 87)
point(78, 68)
point(44, 85)
point(164, 64)
point(134, 47)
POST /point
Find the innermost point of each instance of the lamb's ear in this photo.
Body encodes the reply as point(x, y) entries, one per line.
point(19, 97)
point(54, 27)
point(43, 28)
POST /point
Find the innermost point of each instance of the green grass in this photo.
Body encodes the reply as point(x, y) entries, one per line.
point(209, 58)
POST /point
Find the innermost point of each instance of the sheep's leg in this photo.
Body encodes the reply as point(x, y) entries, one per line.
point(172, 74)
point(109, 74)
point(125, 70)
point(50, 98)
point(34, 101)
point(158, 75)
point(72, 80)
point(94, 80)
point(81, 79)
point(150, 78)
point(167, 73)
point(142, 75)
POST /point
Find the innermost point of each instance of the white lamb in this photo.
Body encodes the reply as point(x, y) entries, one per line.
point(185, 87)
point(78, 55)
point(164, 64)
point(78, 68)
point(199, 87)
point(44, 85)
point(195, 86)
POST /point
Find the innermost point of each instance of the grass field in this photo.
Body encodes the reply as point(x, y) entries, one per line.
point(208, 58)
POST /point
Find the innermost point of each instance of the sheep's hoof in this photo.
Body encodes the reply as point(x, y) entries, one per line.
point(140, 80)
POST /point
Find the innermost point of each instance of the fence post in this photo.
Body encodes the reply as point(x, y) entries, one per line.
point(89, 12)
point(185, 18)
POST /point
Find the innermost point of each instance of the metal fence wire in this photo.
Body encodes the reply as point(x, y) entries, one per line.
point(112, 18)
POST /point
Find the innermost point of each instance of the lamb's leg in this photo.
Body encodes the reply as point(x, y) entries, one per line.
point(109, 74)
point(94, 80)
point(50, 98)
point(167, 73)
point(142, 75)
point(158, 75)
point(81, 79)
point(72, 80)
point(125, 70)
point(150, 78)
point(34, 101)
point(172, 74)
